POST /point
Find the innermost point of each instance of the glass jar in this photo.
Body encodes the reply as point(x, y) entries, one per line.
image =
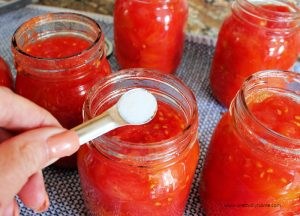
point(255, 150)
point(5, 74)
point(58, 57)
point(146, 169)
point(150, 33)
point(259, 35)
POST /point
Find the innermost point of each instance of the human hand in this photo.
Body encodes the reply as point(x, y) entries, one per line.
point(39, 140)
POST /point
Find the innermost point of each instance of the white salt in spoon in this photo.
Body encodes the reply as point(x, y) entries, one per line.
point(135, 107)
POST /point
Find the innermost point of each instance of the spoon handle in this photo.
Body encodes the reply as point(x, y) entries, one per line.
point(95, 127)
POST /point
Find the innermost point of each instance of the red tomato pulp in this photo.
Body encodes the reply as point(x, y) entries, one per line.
point(250, 44)
point(150, 34)
point(61, 93)
point(253, 182)
point(59, 75)
point(118, 187)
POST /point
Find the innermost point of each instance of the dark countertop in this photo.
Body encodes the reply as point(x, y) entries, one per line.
point(205, 16)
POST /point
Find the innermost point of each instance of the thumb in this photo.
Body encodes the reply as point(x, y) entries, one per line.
point(25, 154)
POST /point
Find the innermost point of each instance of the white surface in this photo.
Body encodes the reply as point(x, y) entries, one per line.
point(137, 106)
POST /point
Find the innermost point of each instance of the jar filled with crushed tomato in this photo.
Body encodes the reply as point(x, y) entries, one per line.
point(146, 169)
point(253, 161)
point(259, 35)
point(58, 57)
point(150, 33)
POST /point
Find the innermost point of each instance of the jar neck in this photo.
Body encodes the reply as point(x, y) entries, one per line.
point(166, 88)
point(57, 25)
point(257, 135)
point(275, 15)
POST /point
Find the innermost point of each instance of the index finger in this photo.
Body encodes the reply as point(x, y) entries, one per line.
point(18, 113)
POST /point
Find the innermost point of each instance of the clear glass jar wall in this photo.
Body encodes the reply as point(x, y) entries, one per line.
point(58, 58)
point(150, 34)
point(259, 35)
point(146, 169)
point(255, 150)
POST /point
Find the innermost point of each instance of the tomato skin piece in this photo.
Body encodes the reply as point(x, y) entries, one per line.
point(150, 34)
point(272, 45)
point(253, 183)
point(159, 190)
point(5, 74)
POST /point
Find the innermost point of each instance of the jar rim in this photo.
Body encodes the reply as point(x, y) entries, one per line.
point(51, 17)
point(256, 80)
point(141, 74)
point(127, 73)
point(251, 8)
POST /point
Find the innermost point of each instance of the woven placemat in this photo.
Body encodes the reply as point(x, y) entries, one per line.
point(64, 186)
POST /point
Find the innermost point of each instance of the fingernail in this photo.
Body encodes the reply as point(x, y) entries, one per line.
point(43, 207)
point(63, 144)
